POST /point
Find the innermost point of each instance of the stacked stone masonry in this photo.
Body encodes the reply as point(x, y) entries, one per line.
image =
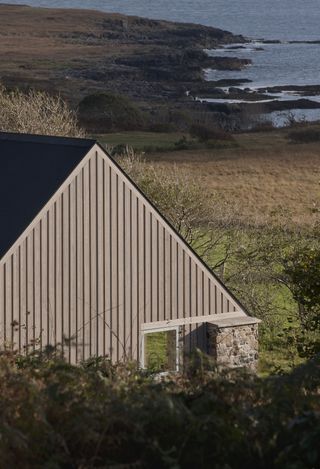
point(234, 346)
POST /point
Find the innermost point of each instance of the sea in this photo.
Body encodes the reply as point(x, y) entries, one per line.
point(294, 59)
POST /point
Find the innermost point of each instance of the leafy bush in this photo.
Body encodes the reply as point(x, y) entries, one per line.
point(304, 136)
point(106, 111)
point(54, 415)
point(302, 270)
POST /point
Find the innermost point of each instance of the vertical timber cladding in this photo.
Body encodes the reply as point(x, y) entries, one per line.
point(96, 263)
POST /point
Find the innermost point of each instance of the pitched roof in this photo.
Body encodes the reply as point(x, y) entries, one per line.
point(31, 170)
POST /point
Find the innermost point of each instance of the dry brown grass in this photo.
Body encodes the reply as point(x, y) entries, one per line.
point(50, 48)
point(46, 48)
point(264, 173)
point(79, 52)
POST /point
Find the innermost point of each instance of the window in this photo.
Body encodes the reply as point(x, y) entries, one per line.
point(160, 350)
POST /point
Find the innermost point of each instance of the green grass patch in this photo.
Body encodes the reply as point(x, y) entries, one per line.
point(48, 64)
point(142, 141)
point(152, 142)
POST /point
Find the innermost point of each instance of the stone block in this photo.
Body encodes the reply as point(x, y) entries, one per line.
point(234, 345)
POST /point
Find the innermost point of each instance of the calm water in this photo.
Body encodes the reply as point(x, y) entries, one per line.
point(280, 19)
point(277, 64)
point(285, 20)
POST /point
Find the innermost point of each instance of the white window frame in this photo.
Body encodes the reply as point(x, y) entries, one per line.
point(154, 330)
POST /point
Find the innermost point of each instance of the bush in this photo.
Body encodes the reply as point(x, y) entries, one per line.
point(304, 136)
point(103, 112)
point(204, 133)
point(183, 143)
point(168, 120)
point(36, 112)
point(264, 126)
point(161, 127)
point(180, 119)
point(176, 194)
point(98, 415)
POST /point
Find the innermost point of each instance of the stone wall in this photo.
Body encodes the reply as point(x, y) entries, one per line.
point(234, 345)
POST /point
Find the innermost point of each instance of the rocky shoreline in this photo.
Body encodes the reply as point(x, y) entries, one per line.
point(244, 94)
point(157, 64)
point(144, 59)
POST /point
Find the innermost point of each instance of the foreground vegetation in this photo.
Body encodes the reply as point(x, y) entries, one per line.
point(54, 415)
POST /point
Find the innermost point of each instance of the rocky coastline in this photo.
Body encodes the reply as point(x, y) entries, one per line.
point(155, 63)
point(94, 51)
point(243, 94)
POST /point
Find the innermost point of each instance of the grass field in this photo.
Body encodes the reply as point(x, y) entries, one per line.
point(142, 141)
point(262, 173)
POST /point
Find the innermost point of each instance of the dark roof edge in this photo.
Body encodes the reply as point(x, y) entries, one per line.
point(203, 263)
point(52, 140)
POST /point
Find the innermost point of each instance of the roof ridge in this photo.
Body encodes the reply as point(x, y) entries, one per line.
point(52, 140)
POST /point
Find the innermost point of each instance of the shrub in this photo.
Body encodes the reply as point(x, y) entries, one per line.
point(204, 133)
point(183, 143)
point(175, 194)
point(168, 120)
point(180, 119)
point(161, 127)
point(103, 112)
point(304, 136)
point(98, 415)
point(36, 112)
point(264, 126)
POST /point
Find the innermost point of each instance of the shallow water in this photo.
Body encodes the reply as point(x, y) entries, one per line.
point(277, 64)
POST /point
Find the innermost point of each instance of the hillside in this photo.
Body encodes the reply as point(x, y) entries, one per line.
point(77, 52)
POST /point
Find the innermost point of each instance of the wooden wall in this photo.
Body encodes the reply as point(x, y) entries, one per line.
point(96, 263)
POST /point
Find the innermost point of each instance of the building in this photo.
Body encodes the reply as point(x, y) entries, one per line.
point(89, 264)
